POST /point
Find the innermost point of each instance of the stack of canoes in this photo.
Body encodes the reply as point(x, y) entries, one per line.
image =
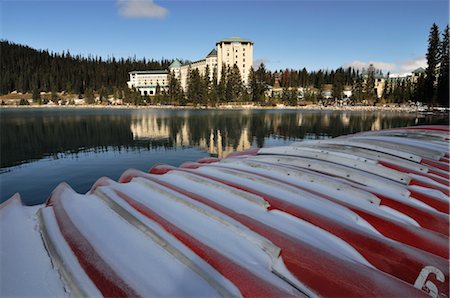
point(358, 215)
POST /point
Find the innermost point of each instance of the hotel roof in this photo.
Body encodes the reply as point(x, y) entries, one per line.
point(419, 70)
point(148, 72)
point(175, 64)
point(213, 53)
point(234, 39)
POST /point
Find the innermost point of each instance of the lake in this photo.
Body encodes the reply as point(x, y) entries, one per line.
point(41, 147)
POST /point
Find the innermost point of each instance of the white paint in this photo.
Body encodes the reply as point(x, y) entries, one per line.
point(26, 269)
point(423, 284)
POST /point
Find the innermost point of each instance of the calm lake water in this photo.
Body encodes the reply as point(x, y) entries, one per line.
point(42, 147)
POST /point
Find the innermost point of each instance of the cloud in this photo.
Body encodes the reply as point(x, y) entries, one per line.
point(257, 62)
point(385, 66)
point(141, 9)
point(400, 68)
point(410, 65)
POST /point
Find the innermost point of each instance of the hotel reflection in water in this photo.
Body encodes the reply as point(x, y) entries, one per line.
point(153, 127)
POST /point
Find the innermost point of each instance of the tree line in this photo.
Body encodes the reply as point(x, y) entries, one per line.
point(25, 69)
point(434, 86)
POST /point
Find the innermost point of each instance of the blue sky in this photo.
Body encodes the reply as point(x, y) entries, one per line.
point(287, 34)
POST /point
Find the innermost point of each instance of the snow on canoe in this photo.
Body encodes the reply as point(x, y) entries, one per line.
point(359, 215)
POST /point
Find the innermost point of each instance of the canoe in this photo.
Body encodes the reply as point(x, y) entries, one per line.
point(360, 215)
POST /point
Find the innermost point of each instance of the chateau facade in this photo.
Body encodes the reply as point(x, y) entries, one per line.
point(229, 52)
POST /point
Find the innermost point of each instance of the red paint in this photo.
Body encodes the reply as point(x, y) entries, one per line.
point(190, 165)
point(426, 219)
point(435, 164)
point(436, 203)
point(445, 128)
point(248, 283)
point(385, 255)
point(410, 171)
point(417, 182)
point(407, 234)
point(439, 173)
point(160, 169)
point(312, 266)
point(102, 275)
point(445, 159)
point(248, 152)
point(208, 160)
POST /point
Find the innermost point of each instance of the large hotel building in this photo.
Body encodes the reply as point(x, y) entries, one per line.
point(228, 52)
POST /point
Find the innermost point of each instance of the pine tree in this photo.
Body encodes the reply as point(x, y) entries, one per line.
point(195, 91)
point(206, 86)
point(54, 97)
point(338, 86)
point(357, 95)
point(174, 90)
point(419, 89)
point(443, 79)
point(214, 94)
point(37, 96)
point(89, 97)
point(221, 88)
point(234, 86)
point(385, 95)
point(369, 89)
point(253, 85)
point(432, 60)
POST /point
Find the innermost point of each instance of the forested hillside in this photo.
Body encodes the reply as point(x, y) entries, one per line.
point(24, 69)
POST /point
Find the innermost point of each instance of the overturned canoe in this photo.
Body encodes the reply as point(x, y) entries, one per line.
point(359, 215)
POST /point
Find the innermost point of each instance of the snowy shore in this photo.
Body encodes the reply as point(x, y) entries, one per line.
point(313, 107)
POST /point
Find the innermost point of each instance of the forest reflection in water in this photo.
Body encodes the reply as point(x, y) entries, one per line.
point(30, 135)
point(130, 137)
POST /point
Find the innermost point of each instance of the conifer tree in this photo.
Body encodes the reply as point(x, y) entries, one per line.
point(253, 85)
point(174, 90)
point(54, 97)
point(206, 86)
point(214, 94)
point(221, 88)
point(235, 83)
point(36, 96)
point(370, 84)
point(357, 95)
point(419, 89)
point(195, 91)
point(432, 61)
point(338, 86)
point(386, 86)
point(89, 97)
point(443, 79)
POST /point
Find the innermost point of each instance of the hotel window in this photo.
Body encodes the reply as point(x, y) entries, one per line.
point(243, 60)
point(228, 54)
point(243, 54)
point(243, 65)
point(236, 51)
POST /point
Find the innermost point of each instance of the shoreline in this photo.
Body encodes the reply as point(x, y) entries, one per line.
point(241, 107)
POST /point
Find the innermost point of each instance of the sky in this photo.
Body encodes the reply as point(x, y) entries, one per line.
point(286, 34)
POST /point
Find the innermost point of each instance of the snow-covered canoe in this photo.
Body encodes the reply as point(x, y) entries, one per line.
point(359, 215)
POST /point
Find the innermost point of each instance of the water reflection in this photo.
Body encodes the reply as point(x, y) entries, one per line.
point(37, 133)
